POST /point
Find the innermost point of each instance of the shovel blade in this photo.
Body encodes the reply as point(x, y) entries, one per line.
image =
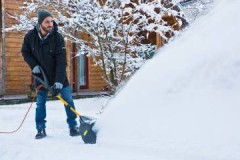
point(86, 132)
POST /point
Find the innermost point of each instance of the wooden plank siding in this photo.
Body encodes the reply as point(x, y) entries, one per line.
point(96, 81)
point(18, 77)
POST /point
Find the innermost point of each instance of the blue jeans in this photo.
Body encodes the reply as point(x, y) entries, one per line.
point(41, 108)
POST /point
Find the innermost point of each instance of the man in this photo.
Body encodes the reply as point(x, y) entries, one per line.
point(44, 47)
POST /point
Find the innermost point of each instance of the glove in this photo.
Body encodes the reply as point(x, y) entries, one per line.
point(55, 89)
point(36, 70)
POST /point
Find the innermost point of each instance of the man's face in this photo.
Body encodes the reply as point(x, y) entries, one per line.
point(47, 24)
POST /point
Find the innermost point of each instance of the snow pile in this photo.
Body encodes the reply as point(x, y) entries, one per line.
point(185, 101)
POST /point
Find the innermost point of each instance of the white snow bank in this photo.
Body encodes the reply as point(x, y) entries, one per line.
point(185, 101)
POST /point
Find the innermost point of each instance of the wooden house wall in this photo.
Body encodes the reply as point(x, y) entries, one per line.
point(96, 81)
point(17, 78)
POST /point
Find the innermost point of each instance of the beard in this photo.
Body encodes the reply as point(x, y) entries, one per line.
point(46, 29)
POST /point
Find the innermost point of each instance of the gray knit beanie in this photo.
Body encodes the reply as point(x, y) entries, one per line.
point(42, 14)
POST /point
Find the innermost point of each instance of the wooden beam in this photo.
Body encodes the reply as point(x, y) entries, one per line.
point(3, 56)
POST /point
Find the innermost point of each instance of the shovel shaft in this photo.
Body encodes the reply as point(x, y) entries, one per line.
point(66, 104)
point(85, 129)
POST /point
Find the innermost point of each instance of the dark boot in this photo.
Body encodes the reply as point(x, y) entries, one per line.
point(41, 134)
point(74, 131)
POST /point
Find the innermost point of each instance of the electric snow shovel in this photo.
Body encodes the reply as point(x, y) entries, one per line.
point(86, 123)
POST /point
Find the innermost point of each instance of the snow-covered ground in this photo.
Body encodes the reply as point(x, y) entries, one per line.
point(182, 105)
point(58, 144)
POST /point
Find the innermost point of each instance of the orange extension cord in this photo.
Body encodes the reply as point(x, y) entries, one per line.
point(25, 116)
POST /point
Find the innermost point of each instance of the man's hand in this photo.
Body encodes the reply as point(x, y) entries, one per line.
point(36, 70)
point(56, 88)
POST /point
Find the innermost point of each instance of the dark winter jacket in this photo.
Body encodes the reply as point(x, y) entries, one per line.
point(50, 54)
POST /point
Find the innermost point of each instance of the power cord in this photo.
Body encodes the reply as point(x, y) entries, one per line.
point(25, 116)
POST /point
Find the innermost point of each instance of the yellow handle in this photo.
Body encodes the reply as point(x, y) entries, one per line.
point(66, 104)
